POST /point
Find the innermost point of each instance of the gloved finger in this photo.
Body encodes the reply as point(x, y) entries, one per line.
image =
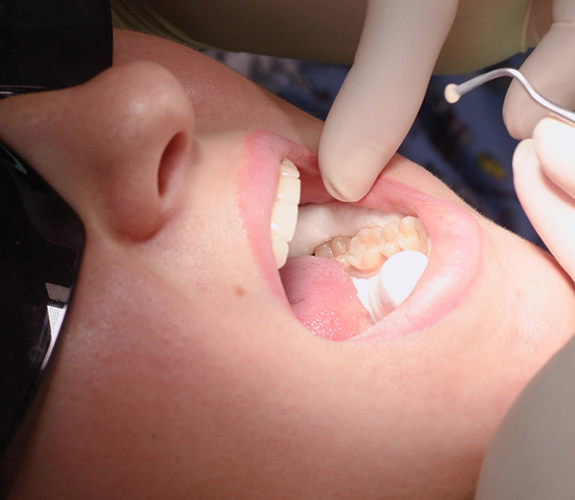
point(550, 69)
point(383, 91)
point(554, 142)
point(550, 209)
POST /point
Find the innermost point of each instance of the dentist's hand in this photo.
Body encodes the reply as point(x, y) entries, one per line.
point(382, 93)
point(544, 177)
point(533, 452)
point(402, 43)
point(399, 47)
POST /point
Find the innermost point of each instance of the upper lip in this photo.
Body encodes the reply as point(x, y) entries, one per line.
point(455, 234)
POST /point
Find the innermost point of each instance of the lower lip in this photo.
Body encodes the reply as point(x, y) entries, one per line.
point(454, 262)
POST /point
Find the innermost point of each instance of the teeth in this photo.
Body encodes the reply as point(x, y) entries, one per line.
point(340, 245)
point(412, 235)
point(284, 218)
point(366, 251)
point(285, 211)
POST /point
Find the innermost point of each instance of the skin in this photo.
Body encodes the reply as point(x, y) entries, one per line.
point(183, 374)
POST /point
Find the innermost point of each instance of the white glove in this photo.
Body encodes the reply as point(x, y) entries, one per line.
point(399, 47)
point(544, 177)
point(402, 43)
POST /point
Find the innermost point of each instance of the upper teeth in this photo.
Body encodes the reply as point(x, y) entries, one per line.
point(285, 211)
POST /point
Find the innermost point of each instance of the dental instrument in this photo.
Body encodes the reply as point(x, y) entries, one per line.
point(453, 92)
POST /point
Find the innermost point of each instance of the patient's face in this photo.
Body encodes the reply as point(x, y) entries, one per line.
point(184, 372)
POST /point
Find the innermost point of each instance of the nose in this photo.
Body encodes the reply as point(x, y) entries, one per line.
point(110, 147)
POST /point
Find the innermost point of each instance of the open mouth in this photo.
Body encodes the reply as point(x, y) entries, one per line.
point(394, 263)
point(350, 267)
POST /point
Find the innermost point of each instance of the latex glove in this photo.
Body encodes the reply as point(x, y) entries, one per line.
point(533, 452)
point(399, 47)
point(395, 55)
point(544, 178)
point(383, 91)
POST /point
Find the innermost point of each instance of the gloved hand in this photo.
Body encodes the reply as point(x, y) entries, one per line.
point(399, 47)
point(532, 454)
point(401, 44)
point(544, 177)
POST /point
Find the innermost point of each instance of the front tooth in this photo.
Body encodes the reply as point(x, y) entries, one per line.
point(285, 211)
point(289, 189)
point(284, 219)
point(280, 248)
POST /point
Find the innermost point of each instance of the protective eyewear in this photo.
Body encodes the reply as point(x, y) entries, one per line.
point(44, 45)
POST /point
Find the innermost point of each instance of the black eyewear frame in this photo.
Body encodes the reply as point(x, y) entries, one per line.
point(44, 45)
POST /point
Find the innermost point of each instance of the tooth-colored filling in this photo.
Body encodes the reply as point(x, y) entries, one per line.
point(285, 211)
point(364, 253)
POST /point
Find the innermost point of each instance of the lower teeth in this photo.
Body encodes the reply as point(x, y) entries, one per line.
point(385, 262)
point(364, 253)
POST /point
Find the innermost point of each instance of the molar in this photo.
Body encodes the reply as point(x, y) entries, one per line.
point(364, 249)
point(364, 253)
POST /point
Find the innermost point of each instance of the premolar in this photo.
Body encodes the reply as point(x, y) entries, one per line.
point(285, 211)
point(366, 251)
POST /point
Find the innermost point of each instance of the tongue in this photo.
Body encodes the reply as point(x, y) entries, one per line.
point(323, 297)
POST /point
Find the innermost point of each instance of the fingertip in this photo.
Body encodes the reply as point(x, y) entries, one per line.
point(526, 171)
point(342, 190)
point(556, 137)
point(524, 155)
point(351, 177)
point(554, 142)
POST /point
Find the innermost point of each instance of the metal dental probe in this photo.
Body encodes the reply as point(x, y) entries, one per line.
point(453, 92)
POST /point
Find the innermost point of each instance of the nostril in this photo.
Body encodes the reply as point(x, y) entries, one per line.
point(172, 156)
